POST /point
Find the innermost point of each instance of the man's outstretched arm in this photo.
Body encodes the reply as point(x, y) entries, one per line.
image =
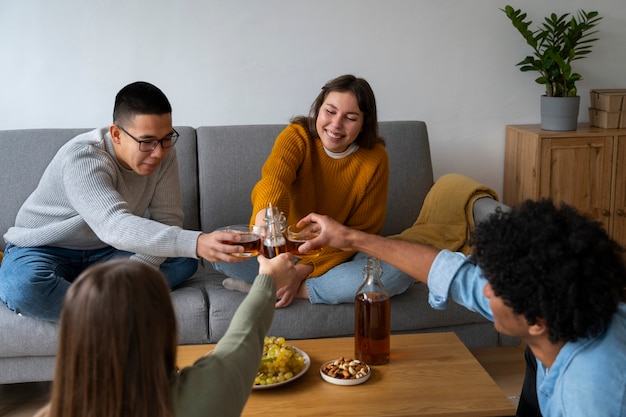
point(412, 258)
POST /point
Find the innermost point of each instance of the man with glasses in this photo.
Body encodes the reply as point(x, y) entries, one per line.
point(91, 204)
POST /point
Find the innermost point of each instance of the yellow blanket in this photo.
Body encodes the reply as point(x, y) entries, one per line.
point(446, 218)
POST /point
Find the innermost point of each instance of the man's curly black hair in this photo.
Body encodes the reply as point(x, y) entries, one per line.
point(552, 263)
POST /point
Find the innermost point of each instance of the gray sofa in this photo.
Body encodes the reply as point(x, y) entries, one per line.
point(218, 167)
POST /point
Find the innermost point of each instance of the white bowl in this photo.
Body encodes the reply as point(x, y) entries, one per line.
point(339, 381)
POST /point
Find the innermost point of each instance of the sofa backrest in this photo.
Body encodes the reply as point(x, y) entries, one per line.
point(231, 157)
point(229, 165)
point(187, 155)
point(218, 167)
point(25, 154)
point(410, 172)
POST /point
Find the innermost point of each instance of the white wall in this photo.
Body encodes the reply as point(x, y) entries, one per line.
point(450, 63)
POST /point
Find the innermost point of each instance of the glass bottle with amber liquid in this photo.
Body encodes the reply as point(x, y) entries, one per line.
point(372, 317)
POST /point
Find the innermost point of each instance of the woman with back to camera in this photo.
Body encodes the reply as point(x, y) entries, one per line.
point(332, 162)
point(117, 347)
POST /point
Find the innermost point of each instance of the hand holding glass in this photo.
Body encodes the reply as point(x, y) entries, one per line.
point(296, 236)
point(250, 239)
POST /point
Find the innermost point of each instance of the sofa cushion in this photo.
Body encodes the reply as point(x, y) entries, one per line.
point(191, 313)
point(25, 336)
point(28, 348)
point(222, 151)
point(303, 320)
point(188, 172)
point(28, 153)
point(410, 172)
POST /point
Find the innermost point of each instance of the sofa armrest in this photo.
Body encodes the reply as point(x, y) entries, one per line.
point(484, 207)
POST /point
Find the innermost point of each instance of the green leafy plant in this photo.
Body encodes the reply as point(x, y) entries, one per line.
point(555, 44)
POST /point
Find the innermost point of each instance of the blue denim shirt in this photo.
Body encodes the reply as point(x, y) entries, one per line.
point(588, 377)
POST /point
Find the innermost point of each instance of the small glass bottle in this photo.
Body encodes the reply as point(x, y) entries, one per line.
point(372, 314)
point(274, 242)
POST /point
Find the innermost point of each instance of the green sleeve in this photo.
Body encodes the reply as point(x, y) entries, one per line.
point(220, 383)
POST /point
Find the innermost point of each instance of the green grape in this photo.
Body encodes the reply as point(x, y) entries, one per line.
point(279, 363)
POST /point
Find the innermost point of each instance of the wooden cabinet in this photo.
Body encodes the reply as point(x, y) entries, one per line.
point(585, 168)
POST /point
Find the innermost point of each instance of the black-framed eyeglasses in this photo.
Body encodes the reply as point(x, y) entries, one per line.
point(150, 145)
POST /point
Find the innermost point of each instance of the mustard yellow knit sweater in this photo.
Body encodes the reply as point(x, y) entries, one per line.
point(299, 178)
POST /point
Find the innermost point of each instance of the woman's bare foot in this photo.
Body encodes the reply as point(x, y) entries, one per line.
point(295, 289)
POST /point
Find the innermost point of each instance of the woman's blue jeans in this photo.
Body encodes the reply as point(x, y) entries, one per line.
point(33, 281)
point(338, 285)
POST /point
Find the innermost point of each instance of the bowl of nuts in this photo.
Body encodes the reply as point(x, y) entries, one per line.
point(345, 371)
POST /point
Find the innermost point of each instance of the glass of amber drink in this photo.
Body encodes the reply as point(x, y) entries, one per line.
point(296, 236)
point(250, 239)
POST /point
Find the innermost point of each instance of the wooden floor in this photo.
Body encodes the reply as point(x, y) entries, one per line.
point(22, 400)
point(505, 365)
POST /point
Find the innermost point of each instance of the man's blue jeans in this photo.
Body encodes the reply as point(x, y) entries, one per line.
point(33, 281)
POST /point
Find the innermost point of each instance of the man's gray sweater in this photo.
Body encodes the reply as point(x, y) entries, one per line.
point(87, 200)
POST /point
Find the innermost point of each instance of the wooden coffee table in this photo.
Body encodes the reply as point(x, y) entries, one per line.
point(427, 375)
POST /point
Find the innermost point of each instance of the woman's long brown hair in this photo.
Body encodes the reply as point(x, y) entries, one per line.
point(117, 344)
point(369, 136)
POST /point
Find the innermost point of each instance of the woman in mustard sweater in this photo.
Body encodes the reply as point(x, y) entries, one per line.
point(332, 162)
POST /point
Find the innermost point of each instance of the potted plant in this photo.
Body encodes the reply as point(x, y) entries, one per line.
point(555, 44)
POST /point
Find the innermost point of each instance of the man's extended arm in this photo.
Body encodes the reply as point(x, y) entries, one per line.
point(412, 258)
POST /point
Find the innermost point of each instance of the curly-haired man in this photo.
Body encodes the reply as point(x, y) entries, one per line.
point(544, 274)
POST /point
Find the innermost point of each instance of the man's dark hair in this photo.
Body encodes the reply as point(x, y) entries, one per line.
point(553, 264)
point(139, 98)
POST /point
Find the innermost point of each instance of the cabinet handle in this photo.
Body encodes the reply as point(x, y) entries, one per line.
point(620, 213)
point(605, 212)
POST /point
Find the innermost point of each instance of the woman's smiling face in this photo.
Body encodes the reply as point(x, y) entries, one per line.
point(339, 121)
